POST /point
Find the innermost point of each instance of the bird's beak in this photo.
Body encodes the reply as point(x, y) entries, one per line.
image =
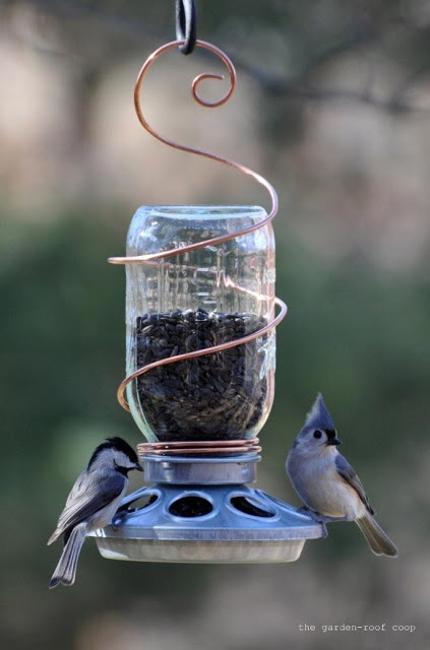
point(139, 467)
point(334, 441)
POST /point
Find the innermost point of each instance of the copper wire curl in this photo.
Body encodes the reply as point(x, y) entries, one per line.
point(138, 259)
point(199, 446)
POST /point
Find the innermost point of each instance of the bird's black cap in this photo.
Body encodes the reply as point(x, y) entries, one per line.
point(115, 443)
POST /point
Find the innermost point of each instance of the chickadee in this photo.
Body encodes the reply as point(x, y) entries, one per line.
point(327, 483)
point(92, 502)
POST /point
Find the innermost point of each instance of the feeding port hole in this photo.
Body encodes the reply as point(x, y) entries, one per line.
point(190, 506)
point(246, 506)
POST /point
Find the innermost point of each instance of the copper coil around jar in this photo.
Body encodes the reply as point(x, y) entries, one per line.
point(196, 447)
point(204, 447)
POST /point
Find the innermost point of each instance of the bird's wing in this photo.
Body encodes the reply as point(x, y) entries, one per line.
point(90, 493)
point(348, 473)
point(77, 490)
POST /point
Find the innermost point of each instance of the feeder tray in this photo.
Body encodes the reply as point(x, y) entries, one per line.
point(200, 511)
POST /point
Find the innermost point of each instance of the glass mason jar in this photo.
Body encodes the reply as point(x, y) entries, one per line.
point(195, 300)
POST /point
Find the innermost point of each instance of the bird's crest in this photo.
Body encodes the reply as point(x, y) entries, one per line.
point(319, 416)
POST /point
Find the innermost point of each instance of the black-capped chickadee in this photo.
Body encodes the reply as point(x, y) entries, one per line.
point(327, 483)
point(92, 502)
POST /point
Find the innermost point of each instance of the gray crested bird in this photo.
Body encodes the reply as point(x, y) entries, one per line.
point(92, 502)
point(326, 482)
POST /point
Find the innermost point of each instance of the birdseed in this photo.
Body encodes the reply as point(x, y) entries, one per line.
point(214, 397)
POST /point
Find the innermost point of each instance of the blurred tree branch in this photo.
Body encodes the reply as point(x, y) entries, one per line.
point(299, 88)
point(365, 30)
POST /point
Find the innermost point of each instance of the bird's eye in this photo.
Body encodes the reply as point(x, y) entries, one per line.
point(317, 434)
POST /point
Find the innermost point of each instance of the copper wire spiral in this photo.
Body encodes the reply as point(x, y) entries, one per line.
point(218, 446)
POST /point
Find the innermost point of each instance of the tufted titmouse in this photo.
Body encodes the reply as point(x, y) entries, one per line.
point(92, 502)
point(327, 483)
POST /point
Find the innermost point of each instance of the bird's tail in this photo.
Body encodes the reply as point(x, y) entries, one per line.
point(65, 570)
point(376, 537)
point(55, 535)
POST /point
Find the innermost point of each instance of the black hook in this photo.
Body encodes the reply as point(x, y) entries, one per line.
point(186, 17)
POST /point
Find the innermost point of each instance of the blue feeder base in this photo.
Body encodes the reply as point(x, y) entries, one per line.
point(221, 521)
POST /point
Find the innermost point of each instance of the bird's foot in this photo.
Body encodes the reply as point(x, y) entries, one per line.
point(118, 520)
point(120, 515)
point(320, 519)
point(304, 510)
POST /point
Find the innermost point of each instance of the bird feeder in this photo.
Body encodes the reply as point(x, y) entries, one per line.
point(200, 362)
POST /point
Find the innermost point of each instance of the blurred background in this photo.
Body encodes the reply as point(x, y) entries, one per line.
point(333, 106)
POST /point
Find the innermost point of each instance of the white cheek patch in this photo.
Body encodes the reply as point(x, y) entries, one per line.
point(122, 460)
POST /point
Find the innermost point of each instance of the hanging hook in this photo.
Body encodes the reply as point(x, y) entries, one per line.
point(186, 29)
